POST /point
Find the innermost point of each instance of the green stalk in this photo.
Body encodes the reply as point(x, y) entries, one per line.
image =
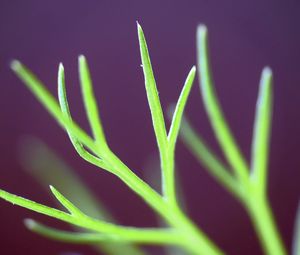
point(264, 223)
point(195, 241)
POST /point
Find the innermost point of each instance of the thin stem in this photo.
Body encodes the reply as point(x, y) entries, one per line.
point(147, 236)
point(263, 220)
point(213, 108)
point(195, 241)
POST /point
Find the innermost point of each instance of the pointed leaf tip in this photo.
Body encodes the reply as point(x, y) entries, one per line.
point(61, 67)
point(267, 71)
point(52, 188)
point(29, 223)
point(193, 70)
point(15, 65)
point(81, 58)
point(201, 29)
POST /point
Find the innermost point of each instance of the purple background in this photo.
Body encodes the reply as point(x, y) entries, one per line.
point(244, 37)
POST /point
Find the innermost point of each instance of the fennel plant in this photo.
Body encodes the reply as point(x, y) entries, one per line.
point(247, 182)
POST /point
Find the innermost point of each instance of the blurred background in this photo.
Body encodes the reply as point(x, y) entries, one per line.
point(244, 36)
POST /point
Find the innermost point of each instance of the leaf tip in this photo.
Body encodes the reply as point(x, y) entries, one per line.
point(267, 72)
point(53, 190)
point(81, 59)
point(193, 70)
point(61, 67)
point(30, 224)
point(15, 65)
point(201, 30)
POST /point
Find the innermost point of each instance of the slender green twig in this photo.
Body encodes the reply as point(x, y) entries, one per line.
point(248, 184)
point(252, 184)
point(214, 111)
point(191, 238)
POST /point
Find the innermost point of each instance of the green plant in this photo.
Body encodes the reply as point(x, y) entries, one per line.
point(246, 183)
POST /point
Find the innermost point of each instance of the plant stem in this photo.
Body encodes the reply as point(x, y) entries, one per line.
point(265, 226)
point(195, 241)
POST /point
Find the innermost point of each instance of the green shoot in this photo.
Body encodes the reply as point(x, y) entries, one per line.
point(251, 184)
point(181, 232)
point(62, 96)
point(166, 143)
point(90, 103)
point(248, 185)
point(44, 165)
point(178, 113)
point(214, 111)
point(261, 133)
point(50, 103)
point(66, 203)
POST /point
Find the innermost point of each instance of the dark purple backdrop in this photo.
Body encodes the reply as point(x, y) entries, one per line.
point(244, 36)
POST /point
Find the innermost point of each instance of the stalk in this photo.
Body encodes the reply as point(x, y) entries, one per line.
point(264, 223)
point(195, 241)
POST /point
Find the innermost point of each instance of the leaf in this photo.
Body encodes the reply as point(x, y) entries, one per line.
point(46, 167)
point(64, 236)
point(66, 203)
point(63, 101)
point(178, 113)
point(90, 103)
point(51, 104)
point(261, 131)
point(37, 207)
point(152, 94)
point(214, 111)
point(144, 237)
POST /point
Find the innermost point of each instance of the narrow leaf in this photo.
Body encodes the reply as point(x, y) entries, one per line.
point(261, 131)
point(142, 237)
point(178, 113)
point(47, 167)
point(214, 111)
point(90, 103)
point(42, 163)
point(64, 236)
point(152, 93)
point(62, 96)
point(37, 207)
point(66, 203)
point(50, 103)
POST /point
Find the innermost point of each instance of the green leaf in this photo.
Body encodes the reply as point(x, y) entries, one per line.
point(90, 103)
point(152, 94)
point(47, 167)
point(178, 113)
point(37, 207)
point(51, 104)
point(64, 236)
point(66, 203)
point(261, 131)
point(144, 237)
point(62, 96)
point(214, 111)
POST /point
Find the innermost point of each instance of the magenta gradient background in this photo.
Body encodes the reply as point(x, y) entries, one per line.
point(244, 37)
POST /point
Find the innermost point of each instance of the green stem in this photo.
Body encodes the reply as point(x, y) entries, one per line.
point(263, 220)
point(195, 241)
point(168, 175)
